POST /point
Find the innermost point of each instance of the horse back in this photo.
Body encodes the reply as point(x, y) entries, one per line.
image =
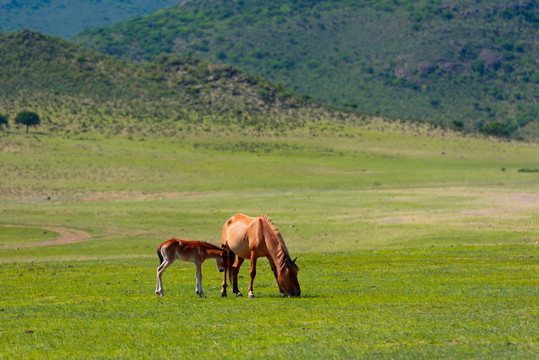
point(243, 235)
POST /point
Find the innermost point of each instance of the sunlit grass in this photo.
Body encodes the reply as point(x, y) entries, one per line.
point(13, 236)
point(426, 303)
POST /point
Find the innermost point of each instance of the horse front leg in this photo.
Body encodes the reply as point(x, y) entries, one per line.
point(274, 269)
point(199, 279)
point(253, 274)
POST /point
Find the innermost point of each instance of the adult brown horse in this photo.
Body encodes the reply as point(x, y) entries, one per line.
point(251, 238)
point(193, 251)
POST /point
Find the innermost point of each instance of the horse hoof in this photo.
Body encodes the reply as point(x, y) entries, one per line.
point(238, 294)
point(223, 293)
point(251, 296)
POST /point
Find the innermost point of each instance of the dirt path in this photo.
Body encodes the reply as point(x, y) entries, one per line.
point(66, 236)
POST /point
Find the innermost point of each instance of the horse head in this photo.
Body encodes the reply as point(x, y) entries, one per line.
point(288, 278)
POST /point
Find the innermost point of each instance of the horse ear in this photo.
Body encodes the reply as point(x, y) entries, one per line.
point(294, 261)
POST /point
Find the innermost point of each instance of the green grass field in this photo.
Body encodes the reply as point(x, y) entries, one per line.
point(416, 245)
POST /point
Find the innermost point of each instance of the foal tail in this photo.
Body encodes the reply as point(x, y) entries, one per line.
point(159, 254)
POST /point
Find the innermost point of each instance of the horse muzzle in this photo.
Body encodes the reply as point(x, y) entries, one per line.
point(294, 293)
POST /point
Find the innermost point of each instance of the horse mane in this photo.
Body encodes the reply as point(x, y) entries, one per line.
point(282, 251)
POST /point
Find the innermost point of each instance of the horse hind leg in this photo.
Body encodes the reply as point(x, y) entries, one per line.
point(235, 271)
point(223, 286)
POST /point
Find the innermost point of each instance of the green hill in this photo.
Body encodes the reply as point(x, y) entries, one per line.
point(73, 88)
point(67, 18)
point(466, 64)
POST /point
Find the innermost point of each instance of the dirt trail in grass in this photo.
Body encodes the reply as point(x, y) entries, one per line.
point(65, 236)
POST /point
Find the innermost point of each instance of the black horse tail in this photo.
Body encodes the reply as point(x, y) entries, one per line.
point(159, 254)
point(231, 261)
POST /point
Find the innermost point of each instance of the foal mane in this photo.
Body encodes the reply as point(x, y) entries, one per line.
point(207, 245)
point(282, 252)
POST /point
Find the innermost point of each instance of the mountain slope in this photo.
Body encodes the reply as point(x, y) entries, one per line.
point(465, 64)
point(67, 18)
point(74, 88)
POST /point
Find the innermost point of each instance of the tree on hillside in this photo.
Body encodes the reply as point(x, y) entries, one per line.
point(27, 118)
point(3, 121)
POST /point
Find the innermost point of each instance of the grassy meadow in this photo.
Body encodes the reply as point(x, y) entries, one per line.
point(411, 244)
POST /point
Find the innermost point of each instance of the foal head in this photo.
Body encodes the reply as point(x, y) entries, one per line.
point(288, 278)
point(222, 261)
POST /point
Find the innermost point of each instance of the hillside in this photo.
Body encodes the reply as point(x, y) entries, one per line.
point(467, 64)
point(67, 18)
point(74, 88)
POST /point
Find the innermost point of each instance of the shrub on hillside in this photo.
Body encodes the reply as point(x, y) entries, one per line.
point(3, 121)
point(497, 129)
point(457, 125)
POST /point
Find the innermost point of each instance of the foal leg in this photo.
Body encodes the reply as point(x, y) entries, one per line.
point(253, 274)
point(235, 271)
point(199, 279)
point(159, 288)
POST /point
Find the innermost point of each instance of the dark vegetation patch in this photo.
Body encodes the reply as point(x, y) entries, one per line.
point(473, 63)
